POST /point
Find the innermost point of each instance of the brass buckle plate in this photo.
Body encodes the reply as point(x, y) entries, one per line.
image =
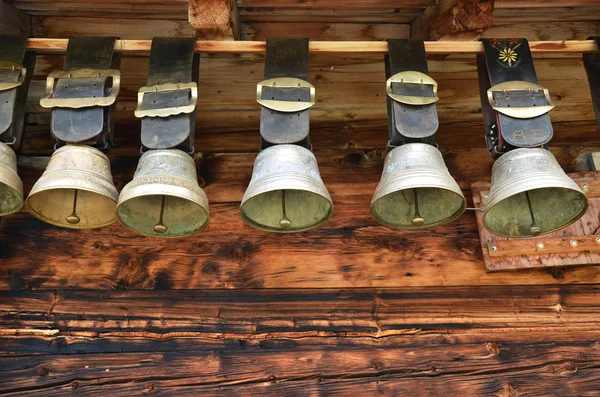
point(12, 66)
point(77, 103)
point(523, 112)
point(171, 111)
point(412, 77)
point(285, 106)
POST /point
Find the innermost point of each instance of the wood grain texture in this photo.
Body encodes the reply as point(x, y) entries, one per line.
point(214, 19)
point(454, 20)
point(507, 341)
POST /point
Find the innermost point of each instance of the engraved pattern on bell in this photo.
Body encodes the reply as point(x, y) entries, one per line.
point(164, 198)
point(76, 185)
point(11, 187)
point(416, 191)
point(286, 193)
point(531, 195)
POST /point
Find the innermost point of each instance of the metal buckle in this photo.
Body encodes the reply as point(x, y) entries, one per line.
point(285, 106)
point(171, 111)
point(76, 103)
point(8, 65)
point(412, 77)
point(520, 112)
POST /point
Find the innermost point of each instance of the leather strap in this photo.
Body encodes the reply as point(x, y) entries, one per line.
point(172, 60)
point(12, 100)
point(91, 125)
point(409, 123)
point(592, 68)
point(507, 60)
point(286, 58)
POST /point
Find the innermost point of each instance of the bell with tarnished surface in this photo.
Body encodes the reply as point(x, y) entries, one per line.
point(416, 190)
point(286, 193)
point(76, 190)
point(531, 195)
point(11, 187)
point(164, 198)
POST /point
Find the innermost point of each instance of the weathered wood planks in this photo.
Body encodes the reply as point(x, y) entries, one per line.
point(506, 341)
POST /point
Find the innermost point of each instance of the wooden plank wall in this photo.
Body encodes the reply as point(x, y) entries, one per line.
point(348, 308)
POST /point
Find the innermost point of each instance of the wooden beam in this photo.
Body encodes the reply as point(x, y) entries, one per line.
point(214, 19)
point(454, 20)
point(13, 21)
point(59, 46)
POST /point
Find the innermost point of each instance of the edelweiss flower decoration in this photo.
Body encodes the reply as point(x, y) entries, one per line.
point(508, 55)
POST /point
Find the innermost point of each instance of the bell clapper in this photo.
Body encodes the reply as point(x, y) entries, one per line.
point(73, 219)
point(418, 220)
point(160, 226)
point(284, 222)
point(535, 229)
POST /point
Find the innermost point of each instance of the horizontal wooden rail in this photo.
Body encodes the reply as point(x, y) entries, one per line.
point(377, 47)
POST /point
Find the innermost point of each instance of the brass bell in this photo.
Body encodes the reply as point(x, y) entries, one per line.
point(416, 190)
point(531, 195)
point(286, 193)
point(11, 187)
point(76, 190)
point(164, 198)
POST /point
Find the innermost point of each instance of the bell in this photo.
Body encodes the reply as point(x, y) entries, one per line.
point(416, 190)
point(76, 191)
point(11, 187)
point(286, 193)
point(164, 198)
point(531, 195)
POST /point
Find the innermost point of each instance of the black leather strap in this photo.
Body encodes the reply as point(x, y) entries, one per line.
point(510, 60)
point(12, 101)
point(92, 125)
point(286, 58)
point(409, 123)
point(592, 68)
point(172, 60)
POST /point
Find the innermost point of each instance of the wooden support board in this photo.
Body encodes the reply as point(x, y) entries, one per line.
point(578, 244)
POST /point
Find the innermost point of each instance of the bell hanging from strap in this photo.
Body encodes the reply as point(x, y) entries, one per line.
point(286, 193)
point(416, 191)
point(530, 194)
point(76, 190)
point(164, 198)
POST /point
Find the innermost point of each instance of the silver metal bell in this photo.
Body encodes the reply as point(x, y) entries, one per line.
point(531, 195)
point(416, 191)
point(11, 187)
point(286, 193)
point(164, 198)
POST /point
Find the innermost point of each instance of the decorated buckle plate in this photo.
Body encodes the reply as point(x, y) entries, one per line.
point(8, 65)
point(411, 77)
point(50, 102)
point(285, 106)
point(520, 112)
point(170, 111)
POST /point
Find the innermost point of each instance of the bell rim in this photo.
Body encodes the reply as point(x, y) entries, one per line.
point(205, 209)
point(454, 217)
point(256, 225)
point(21, 202)
point(14, 183)
point(578, 217)
point(68, 225)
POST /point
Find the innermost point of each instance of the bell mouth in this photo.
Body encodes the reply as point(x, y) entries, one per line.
point(11, 199)
point(553, 208)
point(435, 206)
point(55, 206)
point(286, 210)
point(181, 216)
